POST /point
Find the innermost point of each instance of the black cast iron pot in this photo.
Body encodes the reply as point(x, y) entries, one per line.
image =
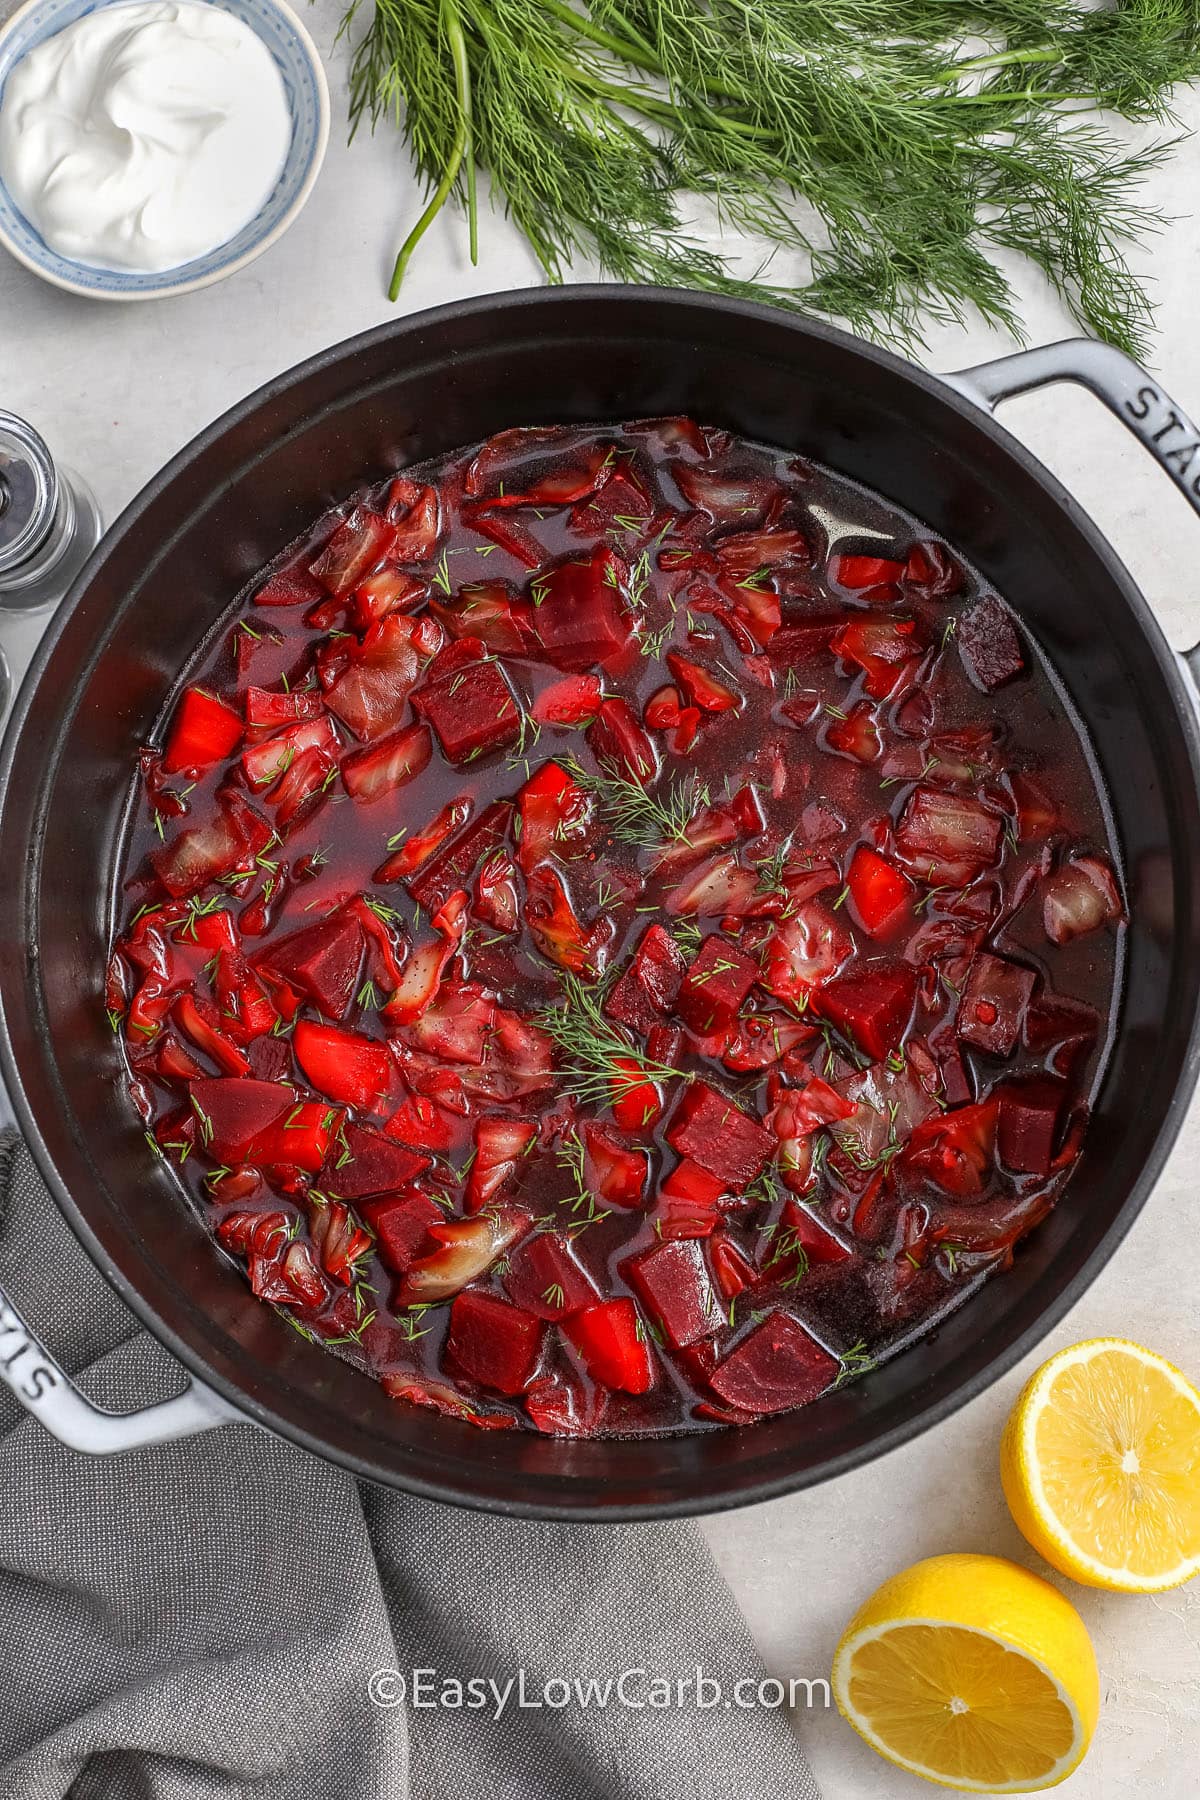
point(412, 390)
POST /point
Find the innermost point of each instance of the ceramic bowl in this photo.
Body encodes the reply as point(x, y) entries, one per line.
point(299, 63)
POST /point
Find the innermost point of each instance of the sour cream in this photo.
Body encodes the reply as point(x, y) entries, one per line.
point(144, 135)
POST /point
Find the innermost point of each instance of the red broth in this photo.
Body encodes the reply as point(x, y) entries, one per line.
point(620, 932)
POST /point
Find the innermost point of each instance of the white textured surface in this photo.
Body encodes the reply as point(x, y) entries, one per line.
point(117, 390)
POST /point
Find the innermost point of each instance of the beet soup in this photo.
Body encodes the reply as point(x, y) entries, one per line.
point(619, 933)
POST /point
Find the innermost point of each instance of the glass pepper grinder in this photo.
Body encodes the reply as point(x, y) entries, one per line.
point(49, 521)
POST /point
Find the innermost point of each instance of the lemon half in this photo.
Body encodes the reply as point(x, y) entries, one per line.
point(973, 1673)
point(1100, 1462)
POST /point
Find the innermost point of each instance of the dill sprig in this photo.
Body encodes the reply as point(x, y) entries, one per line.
point(633, 813)
point(599, 1062)
point(890, 159)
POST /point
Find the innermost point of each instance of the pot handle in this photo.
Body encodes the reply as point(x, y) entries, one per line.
point(1126, 389)
point(46, 1391)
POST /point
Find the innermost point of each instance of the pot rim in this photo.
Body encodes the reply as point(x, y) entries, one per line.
point(924, 1416)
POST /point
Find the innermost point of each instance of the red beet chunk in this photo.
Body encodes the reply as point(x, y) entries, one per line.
point(302, 1139)
point(804, 1233)
point(1027, 1123)
point(494, 1343)
point(354, 1070)
point(611, 1342)
point(778, 1365)
point(234, 1114)
point(801, 639)
point(707, 1127)
point(674, 1284)
point(617, 1173)
point(401, 1225)
point(575, 700)
point(578, 613)
point(618, 742)
point(988, 644)
point(453, 865)
point(471, 705)
point(688, 1201)
point(374, 1164)
point(204, 731)
point(865, 571)
point(992, 1011)
point(880, 894)
point(700, 687)
point(872, 1006)
point(545, 1278)
point(321, 961)
point(720, 977)
point(647, 989)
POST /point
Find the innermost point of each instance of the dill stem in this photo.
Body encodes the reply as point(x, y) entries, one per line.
point(461, 147)
point(1000, 59)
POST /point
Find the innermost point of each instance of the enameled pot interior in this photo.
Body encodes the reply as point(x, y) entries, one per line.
point(177, 559)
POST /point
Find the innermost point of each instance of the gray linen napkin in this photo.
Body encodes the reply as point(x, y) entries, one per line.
point(201, 1620)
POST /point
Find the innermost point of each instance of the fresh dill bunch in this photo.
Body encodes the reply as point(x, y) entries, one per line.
point(599, 1063)
point(882, 158)
point(633, 813)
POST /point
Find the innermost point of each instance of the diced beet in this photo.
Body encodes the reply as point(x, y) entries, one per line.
point(578, 612)
point(855, 735)
point(1062, 1030)
point(204, 731)
point(688, 1200)
point(1027, 1123)
point(991, 1013)
point(301, 1139)
point(872, 1006)
point(575, 700)
point(880, 894)
point(494, 1343)
point(700, 687)
point(455, 863)
point(354, 1070)
point(778, 1365)
point(882, 646)
point(720, 977)
point(388, 763)
point(954, 1148)
point(1079, 897)
point(732, 1270)
point(647, 989)
point(322, 961)
point(611, 1341)
point(616, 1172)
point(709, 1128)
point(803, 1232)
point(374, 1164)
point(471, 706)
point(859, 572)
point(233, 1114)
point(401, 1225)
point(544, 1277)
point(618, 742)
point(674, 1284)
point(988, 644)
point(800, 640)
point(948, 838)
